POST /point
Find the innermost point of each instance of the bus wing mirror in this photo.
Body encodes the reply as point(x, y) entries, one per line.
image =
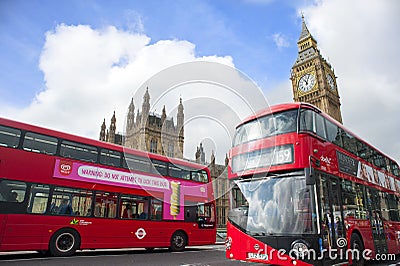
point(310, 176)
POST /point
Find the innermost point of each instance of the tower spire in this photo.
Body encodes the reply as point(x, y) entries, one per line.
point(306, 44)
point(103, 131)
point(112, 130)
point(180, 118)
point(145, 107)
point(304, 30)
point(131, 115)
point(163, 116)
point(305, 33)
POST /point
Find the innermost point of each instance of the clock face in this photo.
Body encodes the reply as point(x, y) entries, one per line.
point(306, 82)
point(330, 81)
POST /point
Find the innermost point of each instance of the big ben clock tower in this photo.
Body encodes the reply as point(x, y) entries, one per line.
point(313, 79)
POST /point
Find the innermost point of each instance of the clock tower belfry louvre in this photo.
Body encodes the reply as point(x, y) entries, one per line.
point(313, 78)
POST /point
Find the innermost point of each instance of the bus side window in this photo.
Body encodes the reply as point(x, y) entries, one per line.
point(320, 126)
point(127, 207)
point(38, 198)
point(203, 176)
point(61, 201)
point(79, 151)
point(306, 120)
point(393, 208)
point(81, 202)
point(311, 121)
point(106, 204)
point(12, 191)
point(40, 143)
point(64, 207)
point(178, 171)
point(156, 209)
point(9, 137)
point(110, 157)
point(196, 176)
point(159, 167)
point(136, 163)
point(200, 176)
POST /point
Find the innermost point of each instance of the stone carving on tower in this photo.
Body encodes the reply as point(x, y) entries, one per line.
point(111, 135)
point(103, 131)
point(111, 131)
point(313, 78)
point(200, 155)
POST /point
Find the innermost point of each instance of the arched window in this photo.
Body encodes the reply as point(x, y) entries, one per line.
point(170, 152)
point(153, 145)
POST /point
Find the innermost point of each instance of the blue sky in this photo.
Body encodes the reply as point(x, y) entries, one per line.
point(57, 56)
point(243, 30)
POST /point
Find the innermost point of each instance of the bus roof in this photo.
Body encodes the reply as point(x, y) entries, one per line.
point(289, 106)
point(276, 109)
point(97, 143)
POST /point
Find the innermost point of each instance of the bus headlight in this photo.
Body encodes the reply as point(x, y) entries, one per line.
point(300, 248)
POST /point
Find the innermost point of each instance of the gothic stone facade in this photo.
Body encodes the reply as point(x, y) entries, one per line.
point(148, 131)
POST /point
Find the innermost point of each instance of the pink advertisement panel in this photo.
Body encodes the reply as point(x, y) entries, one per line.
point(173, 190)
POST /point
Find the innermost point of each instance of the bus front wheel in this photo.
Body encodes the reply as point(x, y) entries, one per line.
point(64, 242)
point(178, 241)
point(357, 244)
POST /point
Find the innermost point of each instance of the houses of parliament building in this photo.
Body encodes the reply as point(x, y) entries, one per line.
point(313, 81)
point(148, 131)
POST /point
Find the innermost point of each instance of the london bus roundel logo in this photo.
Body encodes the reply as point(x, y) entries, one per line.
point(65, 167)
point(140, 233)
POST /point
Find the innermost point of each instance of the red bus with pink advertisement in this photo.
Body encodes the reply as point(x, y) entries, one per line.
point(60, 193)
point(307, 191)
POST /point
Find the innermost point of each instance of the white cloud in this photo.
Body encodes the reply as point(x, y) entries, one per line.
point(89, 73)
point(280, 40)
point(361, 42)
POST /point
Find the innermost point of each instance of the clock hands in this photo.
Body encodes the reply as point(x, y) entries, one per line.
point(306, 82)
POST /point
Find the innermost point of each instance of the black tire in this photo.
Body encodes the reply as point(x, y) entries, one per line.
point(44, 253)
point(64, 242)
point(357, 244)
point(178, 241)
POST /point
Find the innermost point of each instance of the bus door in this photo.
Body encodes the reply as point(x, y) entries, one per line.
point(378, 232)
point(332, 227)
point(190, 210)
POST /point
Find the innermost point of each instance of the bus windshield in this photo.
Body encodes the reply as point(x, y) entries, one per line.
point(274, 206)
point(266, 126)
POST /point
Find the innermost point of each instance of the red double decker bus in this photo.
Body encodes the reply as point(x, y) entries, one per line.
point(60, 193)
point(307, 191)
